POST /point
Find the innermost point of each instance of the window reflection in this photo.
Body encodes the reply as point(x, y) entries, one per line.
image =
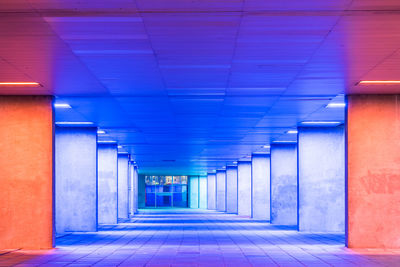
point(166, 191)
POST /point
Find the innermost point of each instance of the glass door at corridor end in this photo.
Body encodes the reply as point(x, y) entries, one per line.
point(166, 191)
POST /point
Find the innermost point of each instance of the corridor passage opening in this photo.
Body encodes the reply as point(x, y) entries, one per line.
point(166, 191)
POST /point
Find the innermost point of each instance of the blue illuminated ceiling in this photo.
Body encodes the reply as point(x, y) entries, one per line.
point(190, 86)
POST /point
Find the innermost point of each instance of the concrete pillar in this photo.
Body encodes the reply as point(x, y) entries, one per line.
point(211, 191)
point(132, 188)
point(321, 179)
point(76, 179)
point(244, 188)
point(284, 184)
point(123, 181)
point(221, 190)
point(261, 181)
point(202, 192)
point(373, 171)
point(231, 189)
point(194, 192)
point(136, 190)
point(107, 183)
point(26, 172)
point(141, 192)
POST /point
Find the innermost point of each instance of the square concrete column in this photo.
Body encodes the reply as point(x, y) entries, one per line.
point(244, 188)
point(76, 179)
point(194, 192)
point(202, 192)
point(321, 179)
point(261, 181)
point(141, 192)
point(284, 184)
point(231, 189)
point(132, 188)
point(221, 190)
point(26, 172)
point(136, 189)
point(373, 171)
point(107, 183)
point(123, 183)
point(211, 191)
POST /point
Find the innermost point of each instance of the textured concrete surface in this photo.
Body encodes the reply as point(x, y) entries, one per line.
point(244, 188)
point(203, 192)
point(76, 179)
point(107, 183)
point(261, 181)
point(221, 190)
point(123, 183)
point(321, 179)
point(194, 192)
point(26, 172)
point(284, 184)
point(373, 178)
point(231, 189)
point(211, 191)
point(202, 238)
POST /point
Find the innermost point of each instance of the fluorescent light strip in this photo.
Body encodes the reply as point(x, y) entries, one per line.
point(321, 122)
point(19, 84)
point(266, 146)
point(292, 132)
point(62, 105)
point(336, 105)
point(380, 82)
point(107, 142)
point(101, 132)
point(74, 123)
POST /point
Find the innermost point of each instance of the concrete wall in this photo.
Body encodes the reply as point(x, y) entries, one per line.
point(261, 181)
point(211, 191)
point(141, 192)
point(321, 179)
point(221, 190)
point(373, 171)
point(123, 176)
point(244, 188)
point(107, 179)
point(26, 172)
point(231, 189)
point(284, 184)
point(76, 179)
point(194, 192)
point(202, 192)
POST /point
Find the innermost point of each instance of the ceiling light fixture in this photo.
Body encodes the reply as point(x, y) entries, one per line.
point(321, 122)
point(20, 84)
point(62, 105)
point(336, 105)
point(380, 82)
point(101, 132)
point(292, 132)
point(65, 123)
point(266, 146)
point(106, 142)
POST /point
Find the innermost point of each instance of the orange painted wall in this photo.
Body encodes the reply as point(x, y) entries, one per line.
point(373, 179)
point(26, 172)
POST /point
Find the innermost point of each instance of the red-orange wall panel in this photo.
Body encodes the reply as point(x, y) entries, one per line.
point(373, 178)
point(26, 172)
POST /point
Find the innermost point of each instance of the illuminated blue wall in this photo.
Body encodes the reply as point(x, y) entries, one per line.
point(194, 192)
point(203, 192)
point(123, 175)
point(75, 179)
point(211, 191)
point(244, 188)
point(261, 186)
point(321, 179)
point(284, 184)
point(107, 179)
point(221, 190)
point(231, 189)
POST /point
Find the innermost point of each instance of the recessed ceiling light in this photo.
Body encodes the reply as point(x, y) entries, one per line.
point(119, 146)
point(20, 84)
point(62, 105)
point(266, 146)
point(106, 142)
point(74, 123)
point(380, 82)
point(321, 122)
point(336, 105)
point(235, 162)
point(292, 132)
point(100, 132)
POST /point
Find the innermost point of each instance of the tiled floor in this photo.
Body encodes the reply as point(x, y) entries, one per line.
point(199, 238)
